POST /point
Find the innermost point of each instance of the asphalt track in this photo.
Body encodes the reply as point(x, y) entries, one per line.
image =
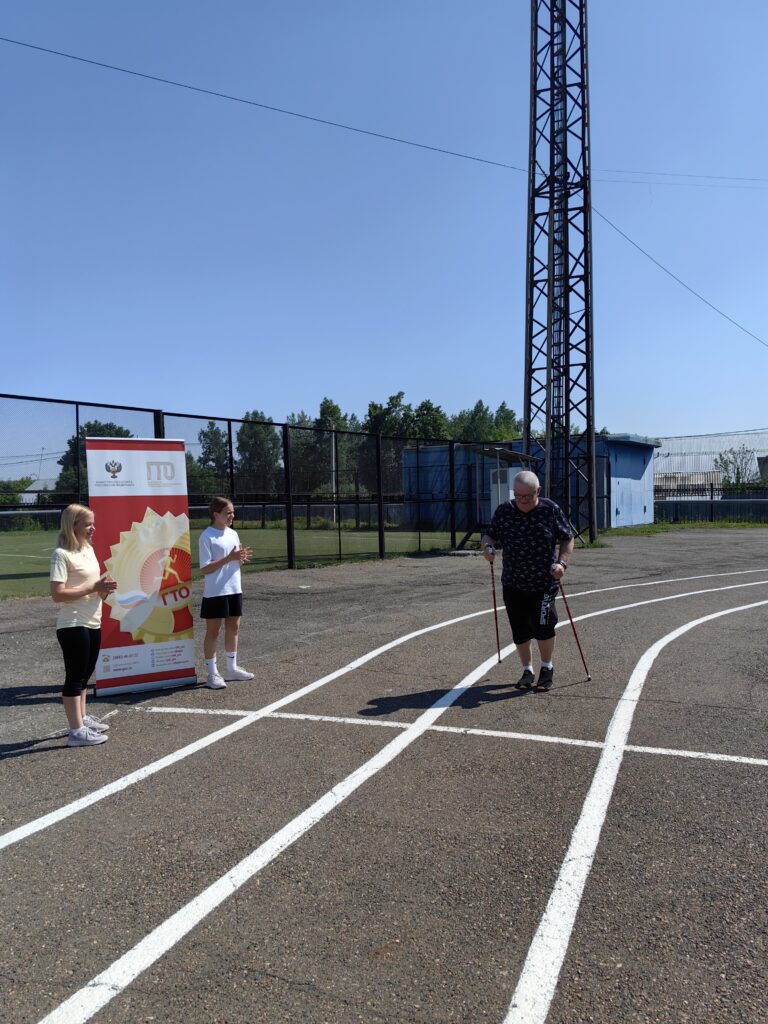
point(380, 827)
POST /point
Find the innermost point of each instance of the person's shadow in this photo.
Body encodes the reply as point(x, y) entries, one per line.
point(55, 742)
point(30, 694)
point(474, 697)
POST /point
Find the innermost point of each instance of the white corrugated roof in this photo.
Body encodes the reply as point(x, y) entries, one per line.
point(696, 453)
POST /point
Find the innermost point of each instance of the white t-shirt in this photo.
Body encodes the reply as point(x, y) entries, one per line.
point(75, 568)
point(216, 544)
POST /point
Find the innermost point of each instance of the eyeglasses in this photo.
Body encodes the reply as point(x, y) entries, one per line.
point(523, 497)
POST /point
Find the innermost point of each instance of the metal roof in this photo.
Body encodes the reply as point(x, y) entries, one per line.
point(697, 453)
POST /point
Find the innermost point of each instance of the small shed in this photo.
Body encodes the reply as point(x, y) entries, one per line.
point(628, 489)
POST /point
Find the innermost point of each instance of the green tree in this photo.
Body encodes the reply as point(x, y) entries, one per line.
point(738, 465)
point(11, 490)
point(395, 419)
point(202, 483)
point(214, 450)
point(506, 425)
point(475, 424)
point(430, 422)
point(66, 482)
point(259, 451)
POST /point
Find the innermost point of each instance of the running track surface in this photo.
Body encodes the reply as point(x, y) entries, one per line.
point(380, 827)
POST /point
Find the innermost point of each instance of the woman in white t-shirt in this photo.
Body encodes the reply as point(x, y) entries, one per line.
point(79, 588)
point(221, 556)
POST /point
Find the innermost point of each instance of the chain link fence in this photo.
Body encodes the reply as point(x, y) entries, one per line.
point(303, 496)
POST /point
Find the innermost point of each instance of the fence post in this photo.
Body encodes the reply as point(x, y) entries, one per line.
point(288, 497)
point(231, 461)
point(452, 492)
point(78, 447)
point(418, 495)
point(380, 488)
point(337, 505)
point(711, 503)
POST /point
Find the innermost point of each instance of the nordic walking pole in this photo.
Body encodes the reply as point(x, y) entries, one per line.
point(495, 612)
point(575, 634)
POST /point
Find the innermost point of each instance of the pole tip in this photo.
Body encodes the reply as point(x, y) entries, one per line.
point(589, 679)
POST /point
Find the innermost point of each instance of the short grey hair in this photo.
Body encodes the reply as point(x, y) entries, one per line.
point(527, 479)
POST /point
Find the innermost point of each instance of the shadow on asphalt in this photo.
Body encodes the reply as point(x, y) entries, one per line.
point(9, 750)
point(10, 695)
point(471, 698)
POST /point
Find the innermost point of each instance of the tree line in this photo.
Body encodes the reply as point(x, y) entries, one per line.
point(333, 447)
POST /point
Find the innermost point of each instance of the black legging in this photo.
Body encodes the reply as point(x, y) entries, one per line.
point(80, 647)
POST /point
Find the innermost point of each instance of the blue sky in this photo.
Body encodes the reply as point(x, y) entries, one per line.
point(168, 249)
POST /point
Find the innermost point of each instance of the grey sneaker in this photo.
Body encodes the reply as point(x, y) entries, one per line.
point(546, 676)
point(238, 673)
point(216, 683)
point(85, 738)
point(525, 682)
point(94, 724)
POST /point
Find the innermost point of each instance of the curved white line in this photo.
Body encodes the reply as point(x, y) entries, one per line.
point(541, 970)
point(83, 1004)
point(23, 831)
point(52, 818)
point(658, 583)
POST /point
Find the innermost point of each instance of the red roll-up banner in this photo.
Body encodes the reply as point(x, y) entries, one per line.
point(138, 494)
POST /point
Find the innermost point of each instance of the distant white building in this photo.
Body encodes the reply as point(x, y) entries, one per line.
point(690, 461)
point(29, 497)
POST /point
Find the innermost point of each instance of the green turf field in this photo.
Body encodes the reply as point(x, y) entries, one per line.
point(25, 557)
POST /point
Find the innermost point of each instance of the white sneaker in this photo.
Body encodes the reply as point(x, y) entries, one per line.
point(238, 673)
point(84, 738)
point(94, 724)
point(216, 683)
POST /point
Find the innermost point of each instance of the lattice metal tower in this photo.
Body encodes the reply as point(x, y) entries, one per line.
point(559, 405)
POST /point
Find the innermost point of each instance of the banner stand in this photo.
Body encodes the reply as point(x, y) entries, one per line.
point(138, 494)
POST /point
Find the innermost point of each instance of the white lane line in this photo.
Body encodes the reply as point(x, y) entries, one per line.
point(105, 986)
point(24, 831)
point(658, 583)
point(761, 762)
point(194, 711)
point(81, 1006)
point(38, 824)
point(503, 734)
point(16, 835)
point(541, 970)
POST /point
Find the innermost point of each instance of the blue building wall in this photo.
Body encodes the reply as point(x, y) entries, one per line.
point(631, 481)
point(624, 482)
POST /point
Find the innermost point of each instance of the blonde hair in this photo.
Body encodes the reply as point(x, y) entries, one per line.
point(69, 519)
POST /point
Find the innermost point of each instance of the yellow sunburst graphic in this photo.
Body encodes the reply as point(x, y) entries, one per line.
point(152, 565)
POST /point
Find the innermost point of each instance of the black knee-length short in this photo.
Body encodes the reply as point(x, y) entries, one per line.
point(80, 647)
point(532, 614)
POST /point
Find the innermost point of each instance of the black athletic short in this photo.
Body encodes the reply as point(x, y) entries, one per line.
point(230, 606)
point(532, 614)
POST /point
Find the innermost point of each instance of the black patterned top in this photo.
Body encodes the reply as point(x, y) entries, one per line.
point(529, 541)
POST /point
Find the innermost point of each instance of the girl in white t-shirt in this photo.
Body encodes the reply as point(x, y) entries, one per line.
point(79, 588)
point(221, 556)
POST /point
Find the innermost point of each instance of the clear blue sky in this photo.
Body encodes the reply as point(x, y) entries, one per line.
point(164, 248)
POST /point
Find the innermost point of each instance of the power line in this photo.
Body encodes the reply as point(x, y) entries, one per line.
point(679, 174)
point(391, 138)
point(679, 280)
point(262, 106)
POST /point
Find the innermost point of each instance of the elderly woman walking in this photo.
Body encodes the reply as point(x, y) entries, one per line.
point(78, 588)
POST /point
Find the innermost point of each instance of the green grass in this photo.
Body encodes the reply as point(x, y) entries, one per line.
point(653, 528)
point(25, 557)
